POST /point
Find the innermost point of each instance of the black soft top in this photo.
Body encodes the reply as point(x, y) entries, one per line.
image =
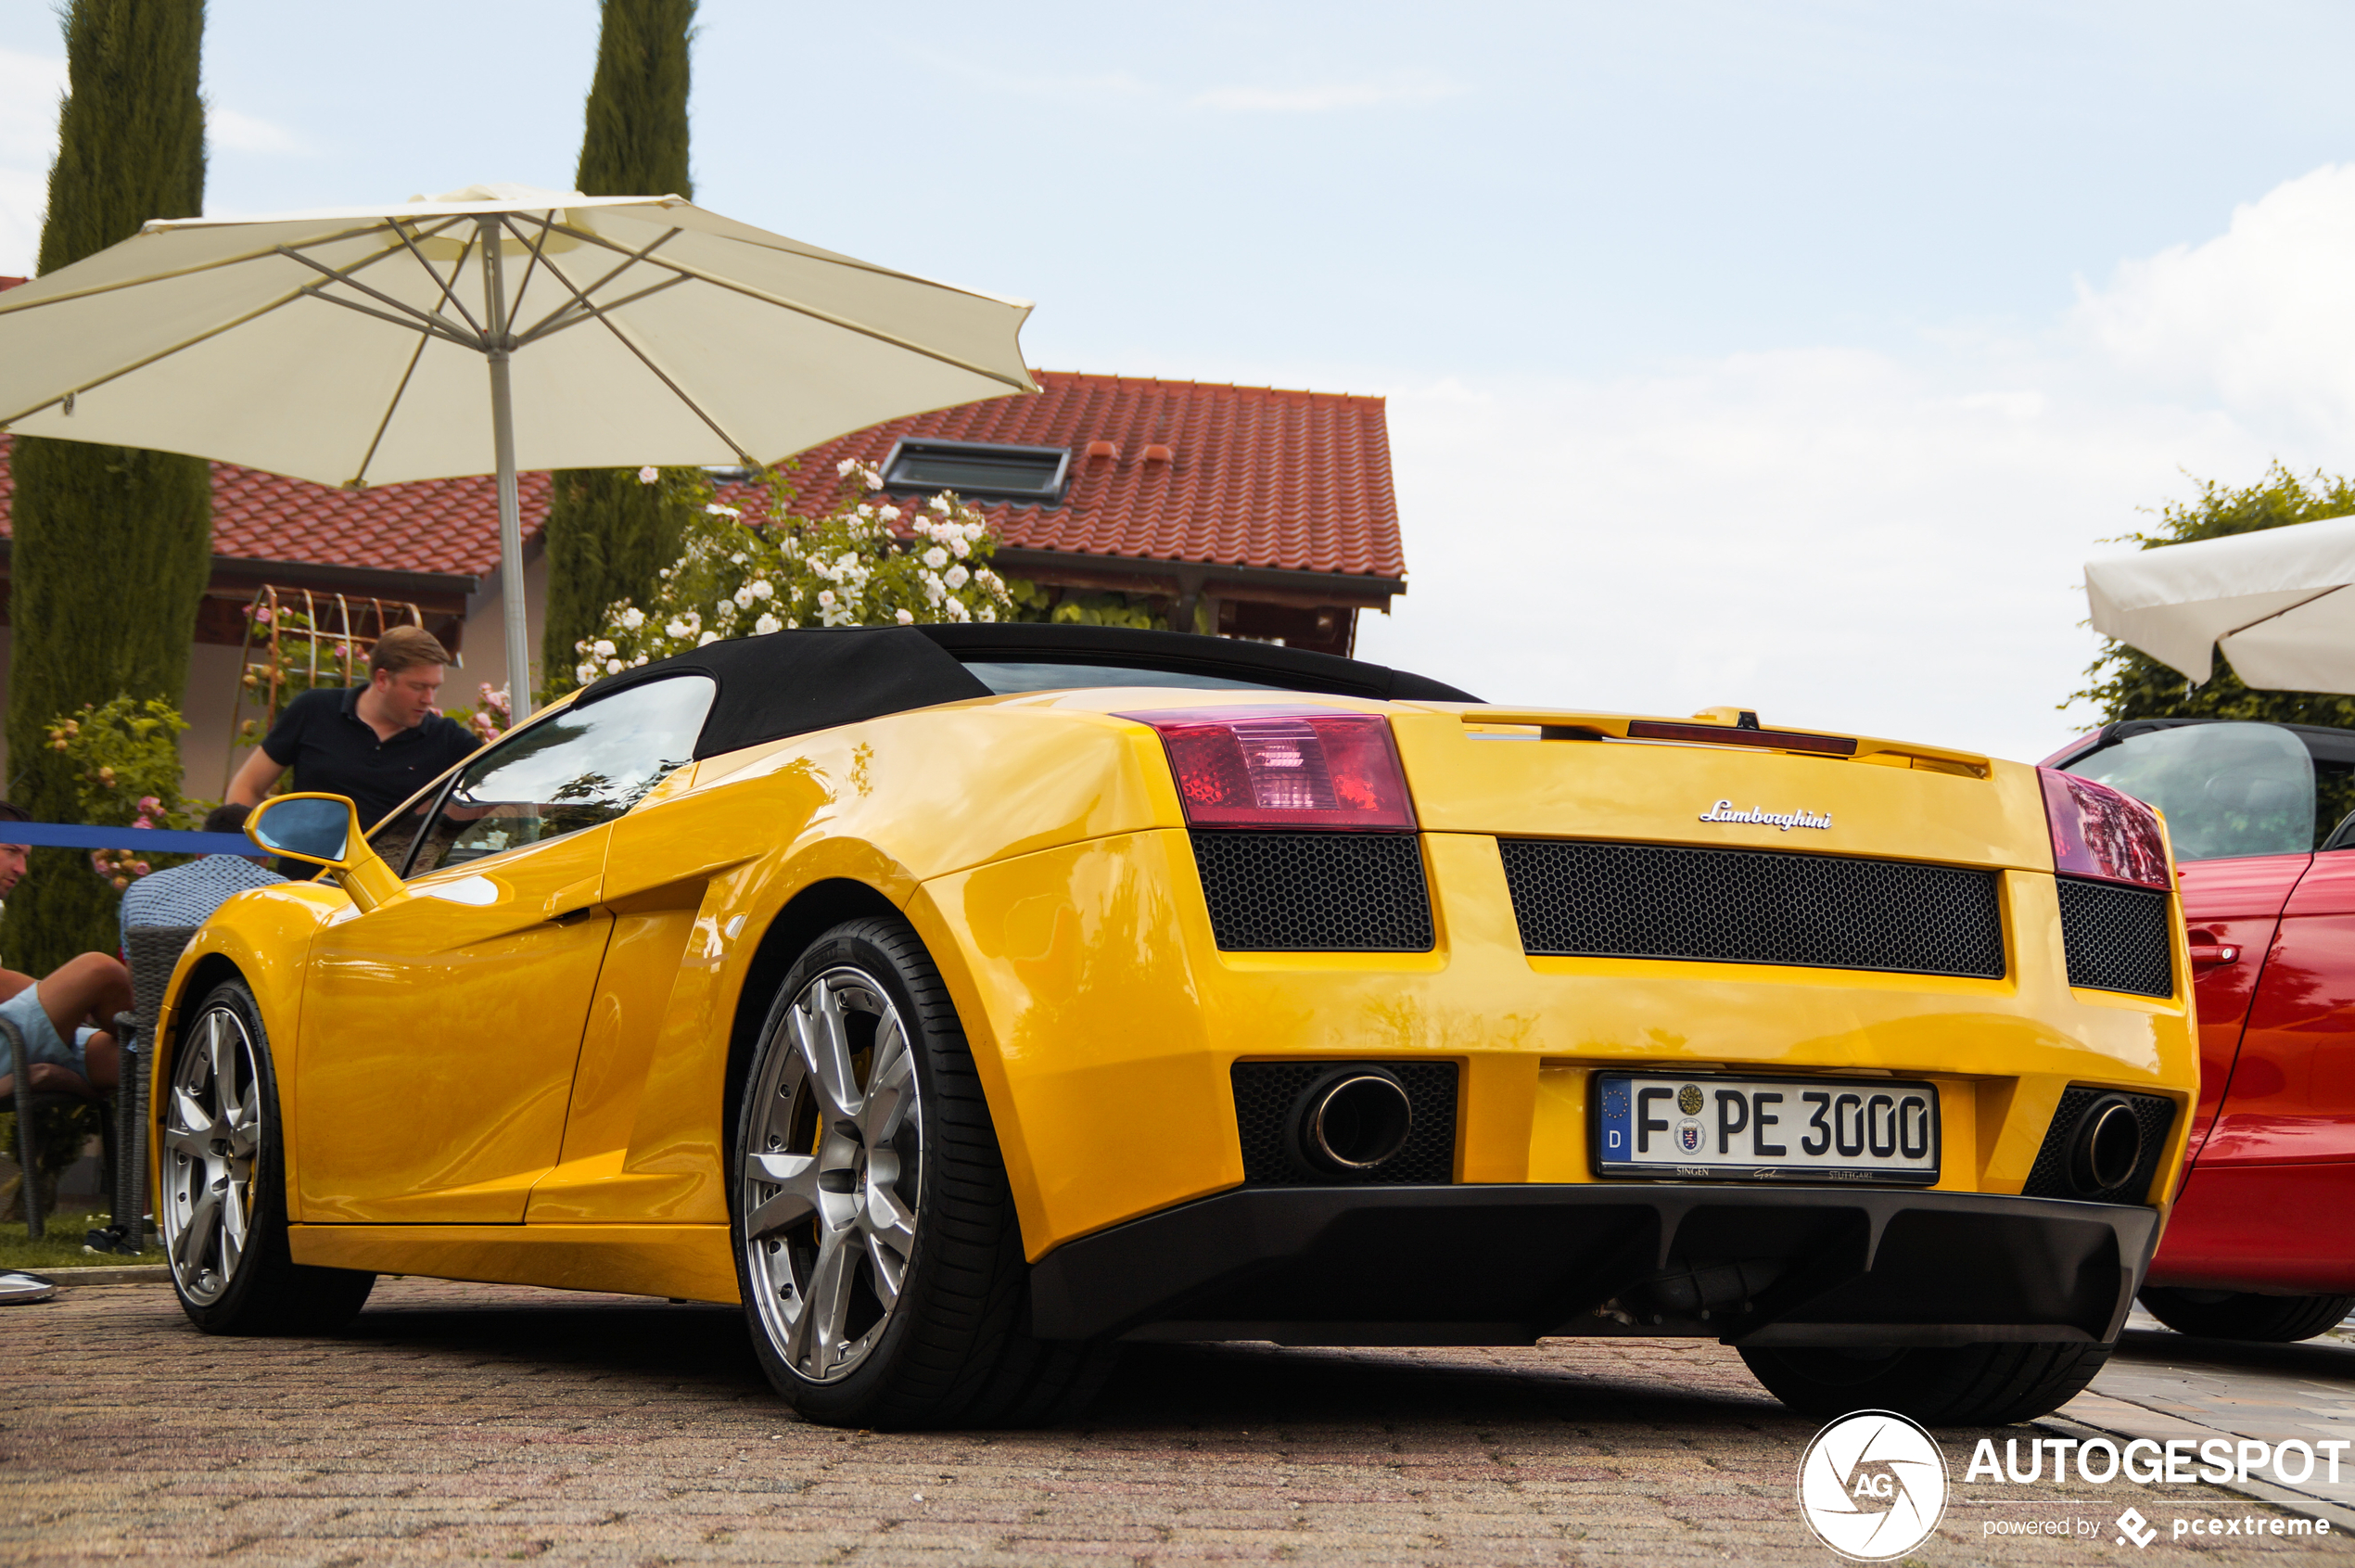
point(793, 683)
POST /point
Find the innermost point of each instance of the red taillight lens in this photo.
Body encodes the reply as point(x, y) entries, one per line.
point(1246, 768)
point(2099, 831)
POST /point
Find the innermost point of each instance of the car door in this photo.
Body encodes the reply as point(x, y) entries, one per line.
point(2232, 909)
point(441, 1031)
point(2291, 1097)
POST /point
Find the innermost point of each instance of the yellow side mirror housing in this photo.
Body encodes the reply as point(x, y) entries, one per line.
point(324, 830)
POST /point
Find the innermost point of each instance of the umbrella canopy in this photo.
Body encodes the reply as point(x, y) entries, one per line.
point(348, 346)
point(2274, 600)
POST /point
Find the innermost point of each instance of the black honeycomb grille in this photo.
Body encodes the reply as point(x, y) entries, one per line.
point(1266, 1093)
point(1753, 906)
point(1316, 892)
point(2049, 1176)
point(2117, 938)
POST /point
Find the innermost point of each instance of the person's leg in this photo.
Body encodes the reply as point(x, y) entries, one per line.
point(55, 1066)
point(11, 983)
point(101, 1062)
point(89, 989)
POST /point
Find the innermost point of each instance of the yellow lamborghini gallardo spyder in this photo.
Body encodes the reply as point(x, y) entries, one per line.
point(966, 1000)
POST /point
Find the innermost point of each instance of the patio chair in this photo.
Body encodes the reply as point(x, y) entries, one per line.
point(29, 1103)
point(154, 952)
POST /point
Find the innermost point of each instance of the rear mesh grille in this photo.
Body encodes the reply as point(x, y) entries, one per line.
point(1753, 906)
point(2117, 938)
point(1265, 1091)
point(1316, 892)
point(2049, 1176)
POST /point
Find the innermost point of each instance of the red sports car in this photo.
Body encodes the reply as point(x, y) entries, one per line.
point(2261, 1242)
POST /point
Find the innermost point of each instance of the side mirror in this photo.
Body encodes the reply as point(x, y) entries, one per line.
point(325, 831)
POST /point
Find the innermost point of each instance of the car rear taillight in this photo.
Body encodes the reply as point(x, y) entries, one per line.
point(2099, 831)
point(1255, 768)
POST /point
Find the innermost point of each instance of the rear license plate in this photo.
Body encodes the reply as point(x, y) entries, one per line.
point(1791, 1129)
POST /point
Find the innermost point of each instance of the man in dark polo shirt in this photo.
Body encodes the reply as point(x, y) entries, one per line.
point(379, 744)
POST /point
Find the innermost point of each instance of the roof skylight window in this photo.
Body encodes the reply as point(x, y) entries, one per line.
point(979, 469)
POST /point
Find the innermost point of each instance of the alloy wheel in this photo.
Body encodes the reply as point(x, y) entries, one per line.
point(212, 1140)
point(832, 1177)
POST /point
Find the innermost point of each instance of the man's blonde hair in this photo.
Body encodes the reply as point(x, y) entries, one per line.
point(405, 647)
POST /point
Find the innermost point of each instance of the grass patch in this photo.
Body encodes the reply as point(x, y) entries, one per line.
point(62, 1247)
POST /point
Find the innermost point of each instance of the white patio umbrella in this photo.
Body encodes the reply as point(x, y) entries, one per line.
point(2276, 601)
point(350, 345)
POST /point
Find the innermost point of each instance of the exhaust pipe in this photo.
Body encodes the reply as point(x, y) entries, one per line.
point(1351, 1120)
point(2106, 1148)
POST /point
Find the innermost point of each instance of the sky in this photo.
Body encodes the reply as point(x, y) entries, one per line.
point(1789, 353)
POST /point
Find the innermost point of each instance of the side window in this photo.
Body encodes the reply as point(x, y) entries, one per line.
point(2228, 790)
point(572, 770)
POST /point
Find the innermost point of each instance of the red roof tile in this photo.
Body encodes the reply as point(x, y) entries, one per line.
point(1255, 477)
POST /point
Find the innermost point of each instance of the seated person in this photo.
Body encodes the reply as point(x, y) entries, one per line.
point(44, 1013)
point(187, 895)
point(75, 1002)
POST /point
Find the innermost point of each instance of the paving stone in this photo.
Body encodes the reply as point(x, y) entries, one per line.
point(460, 1423)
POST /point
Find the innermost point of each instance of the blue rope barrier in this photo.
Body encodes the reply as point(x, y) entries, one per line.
point(156, 840)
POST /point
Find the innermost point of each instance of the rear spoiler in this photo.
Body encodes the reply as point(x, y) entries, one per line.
point(1725, 726)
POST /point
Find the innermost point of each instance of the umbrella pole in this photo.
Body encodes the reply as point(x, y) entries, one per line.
point(513, 611)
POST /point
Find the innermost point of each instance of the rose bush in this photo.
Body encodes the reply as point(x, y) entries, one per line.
point(125, 755)
point(866, 561)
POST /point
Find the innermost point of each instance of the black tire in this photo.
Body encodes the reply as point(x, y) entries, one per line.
point(946, 1347)
point(1958, 1385)
point(258, 1288)
point(2265, 1320)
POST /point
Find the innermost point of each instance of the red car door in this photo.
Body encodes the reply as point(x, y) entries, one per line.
point(2270, 1207)
point(2233, 909)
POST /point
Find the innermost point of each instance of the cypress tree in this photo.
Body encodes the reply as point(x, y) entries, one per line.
point(607, 534)
point(112, 544)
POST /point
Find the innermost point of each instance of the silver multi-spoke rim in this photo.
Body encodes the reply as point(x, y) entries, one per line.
point(211, 1139)
point(833, 1174)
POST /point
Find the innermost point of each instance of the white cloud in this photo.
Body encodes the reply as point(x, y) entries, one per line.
point(1884, 543)
point(1324, 97)
point(2262, 317)
point(245, 132)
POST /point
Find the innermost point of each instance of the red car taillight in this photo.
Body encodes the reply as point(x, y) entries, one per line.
point(2099, 831)
point(1253, 768)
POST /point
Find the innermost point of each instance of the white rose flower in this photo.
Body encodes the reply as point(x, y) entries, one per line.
point(601, 648)
point(766, 624)
point(613, 667)
point(719, 511)
point(956, 610)
point(986, 612)
point(906, 617)
point(941, 504)
point(584, 673)
point(956, 577)
point(633, 618)
point(958, 545)
point(707, 637)
point(760, 588)
point(874, 478)
point(639, 660)
point(826, 598)
point(846, 465)
point(890, 514)
point(744, 596)
point(935, 557)
point(676, 630)
point(737, 559)
point(648, 475)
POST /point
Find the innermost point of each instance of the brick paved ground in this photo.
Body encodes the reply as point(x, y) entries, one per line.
point(479, 1422)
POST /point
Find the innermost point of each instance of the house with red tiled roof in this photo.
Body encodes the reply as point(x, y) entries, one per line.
point(1252, 511)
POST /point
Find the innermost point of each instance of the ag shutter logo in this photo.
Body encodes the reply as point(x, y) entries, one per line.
point(1872, 1486)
